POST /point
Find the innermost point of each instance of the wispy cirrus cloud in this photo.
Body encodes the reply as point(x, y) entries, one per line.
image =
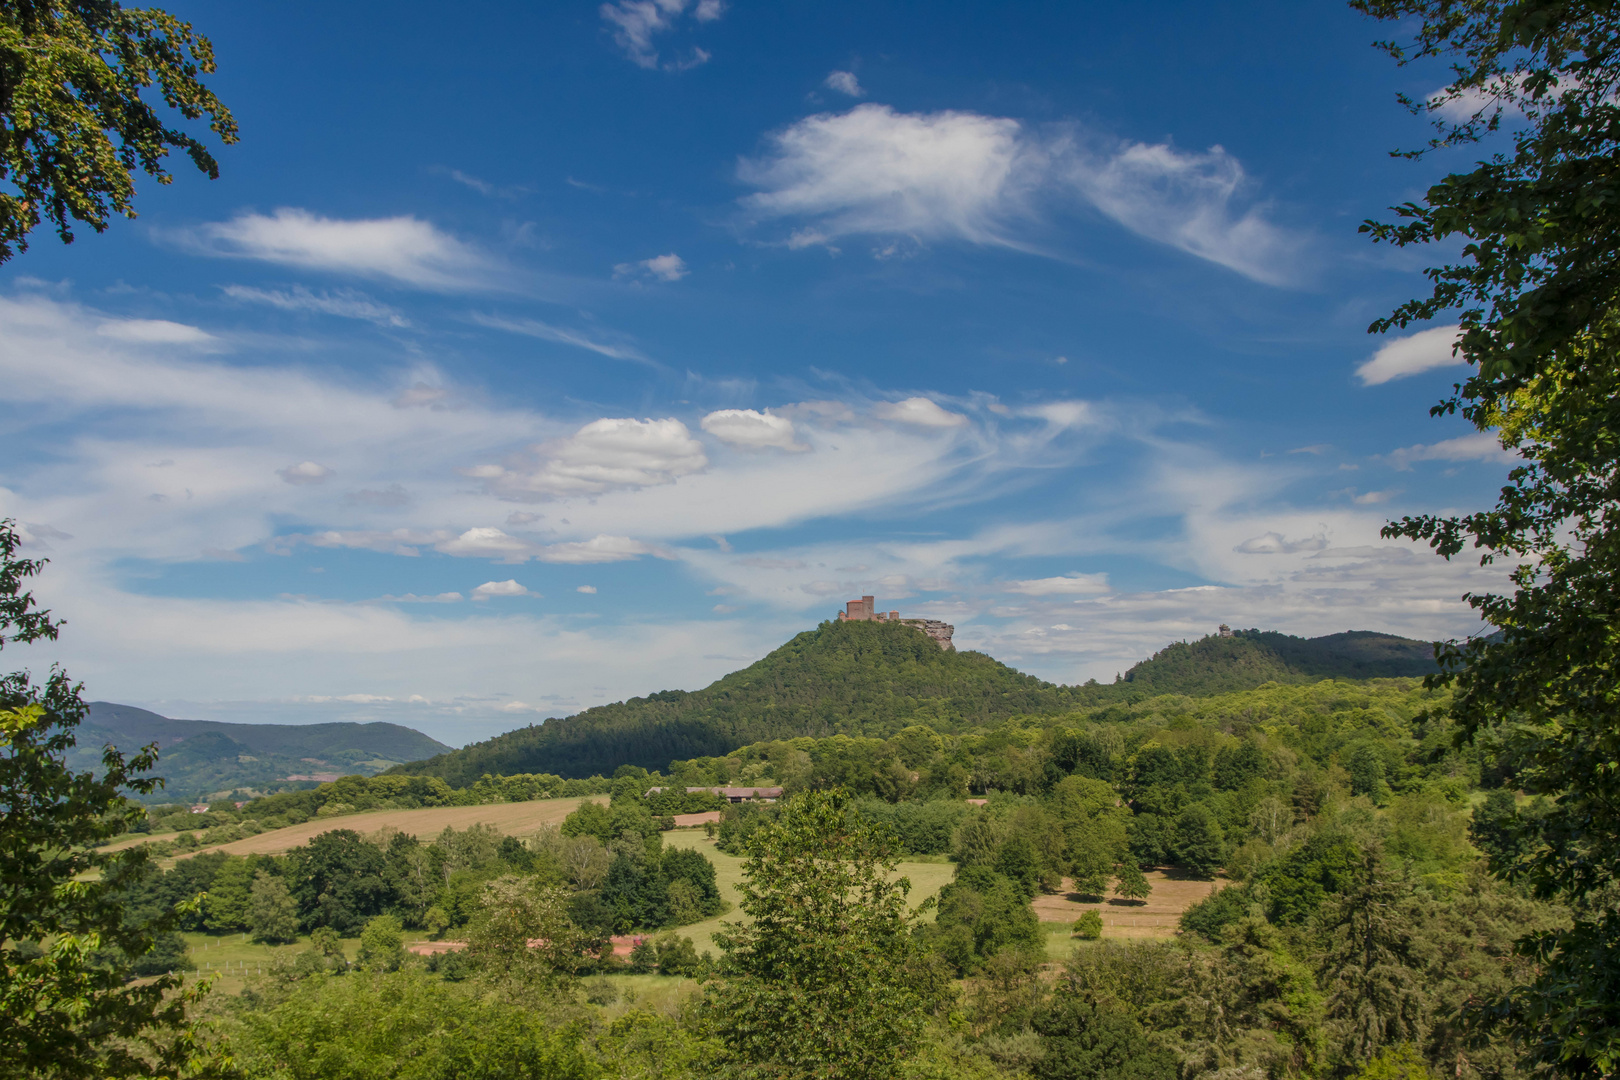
point(636, 23)
point(989, 180)
point(342, 303)
point(563, 336)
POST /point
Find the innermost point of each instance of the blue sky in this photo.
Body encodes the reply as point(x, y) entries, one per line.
point(527, 357)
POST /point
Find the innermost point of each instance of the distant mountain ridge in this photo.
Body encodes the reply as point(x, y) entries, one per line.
point(861, 678)
point(198, 758)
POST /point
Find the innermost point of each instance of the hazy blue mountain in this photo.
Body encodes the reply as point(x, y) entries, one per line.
point(199, 758)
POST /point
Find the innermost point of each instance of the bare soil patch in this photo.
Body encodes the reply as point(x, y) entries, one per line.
point(686, 821)
point(1157, 917)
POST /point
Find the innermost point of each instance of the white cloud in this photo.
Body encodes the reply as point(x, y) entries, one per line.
point(343, 303)
point(154, 332)
point(599, 549)
point(919, 412)
point(509, 587)
point(485, 542)
point(844, 82)
point(402, 249)
point(1410, 355)
point(305, 472)
point(563, 336)
point(603, 455)
point(753, 430)
point(874, 170)
point(1477, 447)
point(1073, 584)
point(587, 589)
point(669, 267)
point(479, 542)
point(637, 22)
point(1188, 200)
point(984, 179)
point(1274, 543)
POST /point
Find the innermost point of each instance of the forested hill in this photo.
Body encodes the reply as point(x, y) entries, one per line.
point(843, 677)
point(202, 758)
point(860, 678)
point(1221, 665)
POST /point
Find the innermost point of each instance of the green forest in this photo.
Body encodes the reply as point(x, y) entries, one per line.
point(1350, 834)
point(872, 679)
point(1395, 860)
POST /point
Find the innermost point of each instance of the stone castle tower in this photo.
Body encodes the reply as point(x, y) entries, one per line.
point(864, 610)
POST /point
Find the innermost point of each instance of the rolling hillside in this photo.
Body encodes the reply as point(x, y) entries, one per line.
point(199, 758)
point(862, 678)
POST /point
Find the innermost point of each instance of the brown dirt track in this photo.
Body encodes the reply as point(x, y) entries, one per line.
point(1157, 917)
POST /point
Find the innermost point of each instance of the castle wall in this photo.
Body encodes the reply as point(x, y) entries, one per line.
point(865, 610)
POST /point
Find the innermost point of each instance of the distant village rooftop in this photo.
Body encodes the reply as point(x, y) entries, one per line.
point(863, 610)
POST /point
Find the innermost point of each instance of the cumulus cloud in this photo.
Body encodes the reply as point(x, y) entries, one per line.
point(1074, 584)
point(918, 412)
point(305, 472)
point(509, 587)
point(1476, 447)
point(154, 332)
point(636, 23)
point(485, 542)
point(1411, 355)
point(669, 267)
point(604, 455)
point(875, 170)
point(844, 82)
point(587, 589)
point(985, 179)
point(406, 250)
point(753, 430)
point(342, 303)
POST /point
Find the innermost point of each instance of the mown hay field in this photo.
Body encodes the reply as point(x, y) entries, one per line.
point(1157, 917)
point(513, 819)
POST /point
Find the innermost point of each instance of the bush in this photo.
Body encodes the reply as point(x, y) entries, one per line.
point(1088, 926)
point(643, 958)
point(382, 944)
point(601, 991)
point(676, 955)
point(1209, 915)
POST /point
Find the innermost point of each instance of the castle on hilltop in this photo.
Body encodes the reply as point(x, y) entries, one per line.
point(862, 610)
